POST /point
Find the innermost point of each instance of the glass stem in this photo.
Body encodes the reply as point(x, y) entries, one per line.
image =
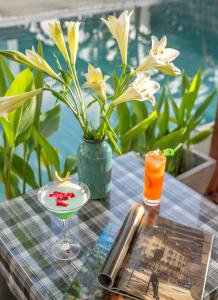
point(64, 222)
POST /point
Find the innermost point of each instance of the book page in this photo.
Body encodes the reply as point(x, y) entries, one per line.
point(166, 260)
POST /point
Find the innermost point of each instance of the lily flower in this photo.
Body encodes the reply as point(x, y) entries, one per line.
point(96, 81)
point(56, 34)
point(160, 58)
point(32, 60)
point(141, 89)
point(119, 27)
point(73, 39)
point(36, 61)
point(10, 103)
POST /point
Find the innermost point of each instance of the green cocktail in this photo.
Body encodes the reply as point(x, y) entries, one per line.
point(63, 200)
point(72, 203)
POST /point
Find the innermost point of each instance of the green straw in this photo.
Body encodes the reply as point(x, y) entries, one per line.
point(170, 151)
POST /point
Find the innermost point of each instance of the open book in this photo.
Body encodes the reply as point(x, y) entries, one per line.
point(155, 258)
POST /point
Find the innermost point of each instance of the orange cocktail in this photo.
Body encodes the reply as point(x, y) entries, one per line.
point(155, 163)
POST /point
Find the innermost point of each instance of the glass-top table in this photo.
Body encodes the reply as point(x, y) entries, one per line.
point(27, 230)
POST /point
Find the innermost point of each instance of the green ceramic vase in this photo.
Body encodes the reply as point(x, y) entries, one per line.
point(95, 166)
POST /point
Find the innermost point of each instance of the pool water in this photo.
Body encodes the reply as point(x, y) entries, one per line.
point(190, 26)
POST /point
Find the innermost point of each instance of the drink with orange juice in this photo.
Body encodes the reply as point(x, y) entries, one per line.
point(155, 163)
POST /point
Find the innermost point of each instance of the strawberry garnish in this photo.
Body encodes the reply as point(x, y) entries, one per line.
point(61, 197)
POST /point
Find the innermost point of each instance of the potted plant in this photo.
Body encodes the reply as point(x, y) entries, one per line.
point(24, 135)
point(176, 122)
point(94, 154)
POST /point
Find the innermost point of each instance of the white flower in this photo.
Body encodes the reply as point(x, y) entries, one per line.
point(56, 34)
point(160, 58)
point(10, 103)
point(73, 39)
point(36, 61)
point(96, 81)
point(141, 89)
point(119, 27)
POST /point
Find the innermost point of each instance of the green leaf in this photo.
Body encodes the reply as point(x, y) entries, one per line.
point(6, 70)
point(70, 164)
point(204, 105)
point(58, 96)
point(18, 167)
point(21, 83)
point(66, 77)
point(14, 186)
point(163, 119)
point(141, 127)
point(174, 105)
point(27, 116)
point(140, 109)
point(161, 100)
point(181, 109)
point(193, 92)
point(123, 118)
point(49, 121)
point(199, 137)
point(171, 140)
point(49, 151)
point(91, 103)
point(113, 142)
point(115, 80)
point(38, 81)
point(185, 83)
point(8, 130)
point(173, 120)
point(14, 182)
point(3, 86)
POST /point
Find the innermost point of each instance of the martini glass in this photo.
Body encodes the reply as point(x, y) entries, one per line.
point(73, 195)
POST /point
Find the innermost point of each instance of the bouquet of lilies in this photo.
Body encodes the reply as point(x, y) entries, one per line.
point(133, 84)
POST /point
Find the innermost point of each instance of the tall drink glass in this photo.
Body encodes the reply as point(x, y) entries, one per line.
point(155, 163)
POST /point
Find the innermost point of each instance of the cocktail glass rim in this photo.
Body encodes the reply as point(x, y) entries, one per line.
point(50, 183)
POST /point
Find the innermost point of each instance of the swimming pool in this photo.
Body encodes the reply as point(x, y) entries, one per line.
point(190, 26)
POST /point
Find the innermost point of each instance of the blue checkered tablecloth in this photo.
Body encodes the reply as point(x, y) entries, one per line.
point(27, 231)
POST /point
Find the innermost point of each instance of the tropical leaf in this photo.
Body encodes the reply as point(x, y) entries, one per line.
point(21, 83)
point(8, 130)
point(6, 70)
point(124, 121)
point(141, 127)
point(163, 120)
point(38, 81)
point(204, 105)
point(50, 152)
point(26, 122)
point(3, 85)
point(49, 121)
point(171, 140)
point(24, 171)
point(161, 100)
point(199, 137)
point(115, 80)
point(193, 92)
point(185, 83)
point(140, 109)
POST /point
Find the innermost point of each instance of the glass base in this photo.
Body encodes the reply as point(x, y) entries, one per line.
point(65, 250)
point(150, 202)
